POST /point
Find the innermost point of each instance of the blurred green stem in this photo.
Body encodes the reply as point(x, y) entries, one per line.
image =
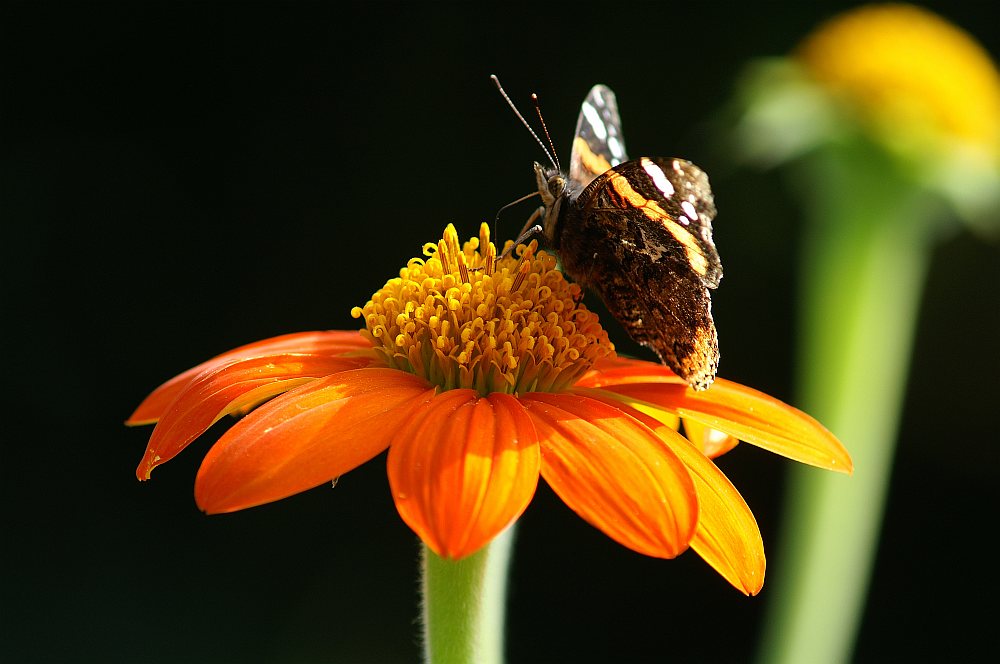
point(864, 262)
point(464, 602)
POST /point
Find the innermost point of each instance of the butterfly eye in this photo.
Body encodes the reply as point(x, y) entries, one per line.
point(557, 183)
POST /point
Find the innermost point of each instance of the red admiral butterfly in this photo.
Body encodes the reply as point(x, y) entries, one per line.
point(639, 233)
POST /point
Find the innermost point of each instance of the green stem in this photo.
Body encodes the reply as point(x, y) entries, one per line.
point(463, 604)
point(865, 258)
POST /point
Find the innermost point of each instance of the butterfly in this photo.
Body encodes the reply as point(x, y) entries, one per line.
point(639, 234)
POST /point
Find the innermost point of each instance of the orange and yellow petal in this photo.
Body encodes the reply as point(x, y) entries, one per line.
point(615, 473)
point(306, 437)
point(233, 387)
point(712, 443)
point(462, 468)
point(743, 413)
point(727, 536)
point(331, 342)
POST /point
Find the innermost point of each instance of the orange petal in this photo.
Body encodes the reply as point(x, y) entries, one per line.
point(332, 342)
point(306, 437)
point(727, 537)
point(619, 370)
point(746, 414)
point(615, 473)
point(232, 387)
point(463, 468)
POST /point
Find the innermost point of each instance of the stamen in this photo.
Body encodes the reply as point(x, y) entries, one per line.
point(523, 267)
point(463, 317)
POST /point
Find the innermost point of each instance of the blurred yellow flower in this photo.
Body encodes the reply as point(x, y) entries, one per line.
point(891, 76)
point(911, 73)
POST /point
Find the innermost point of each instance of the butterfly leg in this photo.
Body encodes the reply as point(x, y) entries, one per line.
point(529, 230)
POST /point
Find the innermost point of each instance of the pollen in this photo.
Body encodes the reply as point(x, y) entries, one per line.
point(462, 317)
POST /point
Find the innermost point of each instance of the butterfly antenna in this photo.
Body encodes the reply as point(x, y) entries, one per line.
point(523, 121)
point(496, 220)
point(545, 128)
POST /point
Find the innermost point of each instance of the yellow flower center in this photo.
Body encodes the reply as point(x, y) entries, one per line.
point(464, 318)
point(911, 73)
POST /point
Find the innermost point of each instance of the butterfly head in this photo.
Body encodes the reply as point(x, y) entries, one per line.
point(551, 187)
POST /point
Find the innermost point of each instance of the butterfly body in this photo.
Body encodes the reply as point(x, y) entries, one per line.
point(638, 233)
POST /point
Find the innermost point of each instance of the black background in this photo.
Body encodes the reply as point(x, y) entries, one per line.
point(180, 179)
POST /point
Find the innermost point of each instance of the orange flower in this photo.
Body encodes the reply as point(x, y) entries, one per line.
point(479, 374)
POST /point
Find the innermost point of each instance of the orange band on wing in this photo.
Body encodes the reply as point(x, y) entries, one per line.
point(592, 162)
point(653, 210)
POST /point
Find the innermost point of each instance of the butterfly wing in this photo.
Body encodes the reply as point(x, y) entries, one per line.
point(640, 235)
point(598, 144)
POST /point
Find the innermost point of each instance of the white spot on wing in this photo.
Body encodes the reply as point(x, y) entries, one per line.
point(659, 177)
point(616, 149)
point(594, 120)
point(689, 209)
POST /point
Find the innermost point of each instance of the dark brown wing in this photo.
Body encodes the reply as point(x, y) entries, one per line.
point(640, 235)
